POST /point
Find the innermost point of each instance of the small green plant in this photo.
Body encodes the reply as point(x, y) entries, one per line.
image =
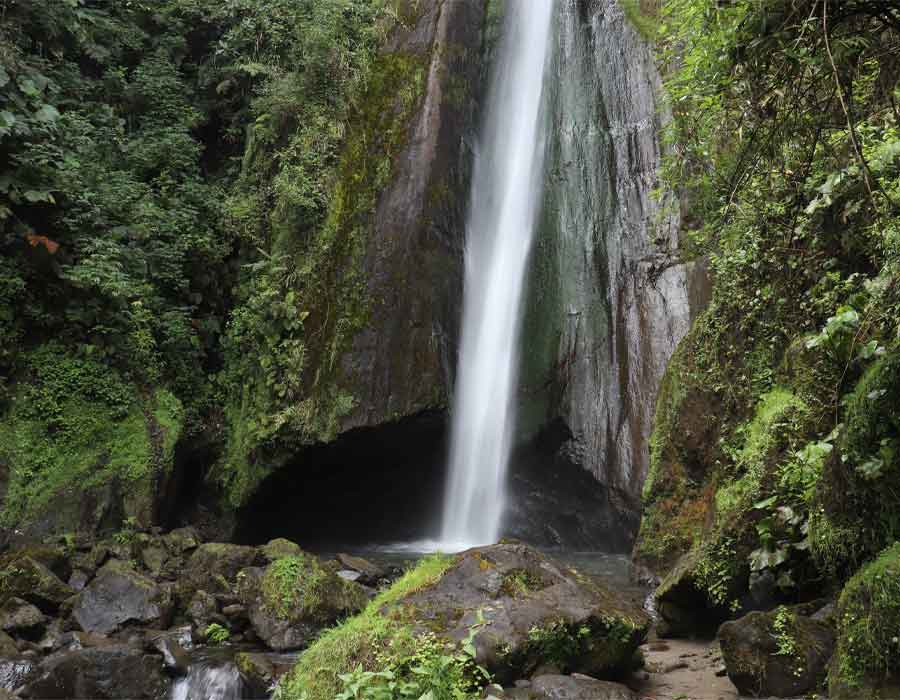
point(126, 533)
point(436, 670)
point(782, 627)
point(216, 633)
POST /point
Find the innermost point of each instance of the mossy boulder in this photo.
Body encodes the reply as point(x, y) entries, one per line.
point(213, 567)
point(520, 609)
point(23, 576)
point(532, 611)
point(781, 653)
point(866, 663)
point(293, 598)
point(280, 548)
point(181, 541)
point(21, 619)
point(82, 448)
point(119, 595)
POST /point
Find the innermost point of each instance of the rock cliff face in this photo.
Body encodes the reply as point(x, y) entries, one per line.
point(609, 298)
point(398, 363)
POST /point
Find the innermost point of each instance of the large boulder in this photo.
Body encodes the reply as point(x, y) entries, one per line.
point(369, 573)
point(294, 598)
point(102, 673)
point(213, 567)
point(529, 611)
point(26, 577)
point(781, 653)
point(119, 595)
point(21, 618)
point(280, 548)
point(577, 687)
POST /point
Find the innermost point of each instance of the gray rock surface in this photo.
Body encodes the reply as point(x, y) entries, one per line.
point(213, 566)
point(118, 595)
point(102, 673)
point(21, 618)
point(576, 687)
point(533, 612)
point(399, 362)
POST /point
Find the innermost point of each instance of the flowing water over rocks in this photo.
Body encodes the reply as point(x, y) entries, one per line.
point(210, 680)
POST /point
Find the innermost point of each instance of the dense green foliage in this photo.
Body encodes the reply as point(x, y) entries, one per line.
point(111, 236)
point(184, 197)
point(320, 153)
point(77, 425)
point(777, 424)
point(868, 619)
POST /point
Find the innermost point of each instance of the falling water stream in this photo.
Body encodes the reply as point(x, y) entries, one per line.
point(506, 190)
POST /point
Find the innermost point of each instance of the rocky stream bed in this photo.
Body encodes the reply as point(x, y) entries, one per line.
point(153, 615)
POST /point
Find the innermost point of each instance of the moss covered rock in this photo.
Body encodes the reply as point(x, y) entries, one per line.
point(119, 595)
point(294, 598)
point(684, 446)
point(23, 576)
point(518, 608)
point(280, 548)
point(866, 663)
point(213, 567)
point(780, 653)
point(82, 449)
point(533, 612)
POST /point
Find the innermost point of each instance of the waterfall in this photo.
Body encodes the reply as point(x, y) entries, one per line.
point(209, 680)
point(506, 190)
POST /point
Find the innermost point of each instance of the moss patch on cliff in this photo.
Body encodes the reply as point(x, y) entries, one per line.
point(75, 426)
point(307, 297)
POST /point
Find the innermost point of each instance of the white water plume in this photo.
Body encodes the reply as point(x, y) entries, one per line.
point(506, 191)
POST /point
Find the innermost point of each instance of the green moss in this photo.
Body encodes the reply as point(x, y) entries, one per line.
point(599, 644)
point(860, 477)
point(302, 315)
point(643, 20)
point(75, 424)
point(518, 582)
point(868, 618)
point(756, 459)
point(299, 587)
point(369, 639)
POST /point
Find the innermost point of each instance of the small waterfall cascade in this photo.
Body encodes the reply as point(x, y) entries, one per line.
point(504, 203)
point(209, 680)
